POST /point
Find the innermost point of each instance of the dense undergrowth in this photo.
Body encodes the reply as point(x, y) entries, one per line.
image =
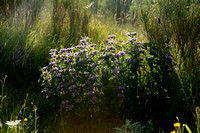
point(94, 72)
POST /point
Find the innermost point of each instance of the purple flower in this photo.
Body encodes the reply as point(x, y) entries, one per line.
point(80, 46)
point(94, 77)
point(121, 53)
point(58, 87)
point(90, 93)
point(93, 65)
point(103, 56)
point(53, 50)
point(72, 87)
point(54, 69)
point(72, 60)
point(44, 91)
point(84, 40)
point(132, 39)
point(128, 34)
point(113, 42)
point(51, 64)
point(92, 45)
point(169, 57)
point(111, 36)
point(138, 43)
point(108, 48)
point(70, 49)
point(117, 55)
point(133, 33)
point(44, 72)
point(82, 51)
point(141, 51)
point(62, 50)
point(116, 70)
point(175, 63)
point(67, 84)
point(120, 95)
point(96, 84)
point(65, 102)
point(121, 88)
point(74, 73)
point(62, 86)
point(58, 75)
point(44, 68)
point(168, 46)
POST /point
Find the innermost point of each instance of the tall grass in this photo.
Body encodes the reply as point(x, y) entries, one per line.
point(26, 39)
point(177, 23)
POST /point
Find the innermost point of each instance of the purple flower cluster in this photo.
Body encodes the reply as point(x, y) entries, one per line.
point(72, 87)
point(93, 77)
point(65, 102)
point(93, 52)
point(111, 36)
point(121, 53)
point(80, 46)
point(62, 50)
point(141, 51)
point(58, 75)
point(132, 33)
point(76, 74)
point(53, 50)
point(44, 91)
point(108, 48)
point(111, 41)
point(138, 43)
point(70, 49)
point(91, 45)
point(116, 70)
point(51, 64)
point(132, 39)
point(121, 88)
point(84, 40)
point(120, 95)
point(54, 69)
point(168, 46)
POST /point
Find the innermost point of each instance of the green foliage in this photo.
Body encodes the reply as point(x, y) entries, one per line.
point(129, 127)
point(16, 117)
point(177, 23)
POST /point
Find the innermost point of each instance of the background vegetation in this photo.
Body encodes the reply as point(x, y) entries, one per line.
point(169, 32)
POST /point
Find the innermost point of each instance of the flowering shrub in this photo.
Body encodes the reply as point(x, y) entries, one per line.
point(80, 75)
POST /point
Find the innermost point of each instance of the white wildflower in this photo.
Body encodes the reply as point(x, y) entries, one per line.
point(14, 124)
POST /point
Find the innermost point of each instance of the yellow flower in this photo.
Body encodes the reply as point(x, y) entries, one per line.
point(25, 119)
point(197, 108)
point(177, 124)
point(137, 97)
point(173, 131)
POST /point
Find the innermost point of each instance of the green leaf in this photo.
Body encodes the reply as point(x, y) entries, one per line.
point(188, 129)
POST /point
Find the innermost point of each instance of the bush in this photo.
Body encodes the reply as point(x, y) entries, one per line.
point(119, 76)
